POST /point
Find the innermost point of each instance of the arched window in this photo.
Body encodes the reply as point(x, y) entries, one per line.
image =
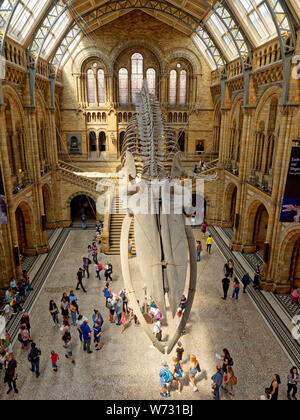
point(137, 62)
point(151, 79)
point(123, 87)
point(182, 87)
point(101, 87)
point(173, 87)
point(91, 86)
point(102, 141)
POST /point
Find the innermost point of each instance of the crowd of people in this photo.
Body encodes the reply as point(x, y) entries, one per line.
point(67, 318)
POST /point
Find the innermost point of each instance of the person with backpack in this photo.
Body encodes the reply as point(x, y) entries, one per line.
point(194, 368)
point(27, 280)
point(177, 371)
point(66, 332)
point(86, 262)
point(228, 268)
point(166, 378)
point(34, 358)
point(97, 317)
point(107, 293)
point(108, 272)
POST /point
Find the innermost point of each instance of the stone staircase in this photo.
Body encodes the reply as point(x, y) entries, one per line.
point(116, 221)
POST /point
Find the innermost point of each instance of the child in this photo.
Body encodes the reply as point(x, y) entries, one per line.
point(123, 322)
point(97, 335)
point(69, 354)
point(179, 351)
point(54, 358)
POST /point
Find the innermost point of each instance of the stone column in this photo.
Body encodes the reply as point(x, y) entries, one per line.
point(11, 229)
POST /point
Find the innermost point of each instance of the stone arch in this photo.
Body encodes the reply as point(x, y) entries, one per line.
point(188, 55)
point(256, 212)
point(230, 204)
point(286, 249)
point(48, 205)
point(24, 215)
point(87, 54)
point(264, 98)
point(91, 200)
point(139, 42)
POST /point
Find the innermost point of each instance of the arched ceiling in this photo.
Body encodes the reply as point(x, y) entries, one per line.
point(223, 30)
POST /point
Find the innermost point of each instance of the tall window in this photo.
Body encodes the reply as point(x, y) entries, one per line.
point(173, 87)
point(182, 87)
point(151, 79)
point(137, 62)
point(123, 86)
point(91, 86)
point(101, 86)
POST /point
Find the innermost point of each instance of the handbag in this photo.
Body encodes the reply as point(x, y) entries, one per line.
point(198, 368)
point(234, 380)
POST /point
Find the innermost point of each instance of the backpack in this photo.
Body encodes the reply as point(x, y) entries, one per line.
point(168, 377)
point(34, 355)
point(106, 293)
point(66, 336)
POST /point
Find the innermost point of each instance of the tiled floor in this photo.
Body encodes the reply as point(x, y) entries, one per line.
point(127, 368)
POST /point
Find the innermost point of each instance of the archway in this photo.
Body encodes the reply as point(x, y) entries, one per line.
point(48, 208)
point(93, 142)
point(25, 229)
point(181, 141)
point(83, 204)
point(260, 227)
point(294, 277)
point(102, 142)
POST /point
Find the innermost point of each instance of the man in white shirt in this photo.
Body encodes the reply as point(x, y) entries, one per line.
point(157, 330)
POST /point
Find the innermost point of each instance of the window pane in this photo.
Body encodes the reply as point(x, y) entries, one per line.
point(137, 62)
point(151, 79)
point(182, 88)
point(101, 87)
point(123, 87)
point(91, 86)
point(173, 87)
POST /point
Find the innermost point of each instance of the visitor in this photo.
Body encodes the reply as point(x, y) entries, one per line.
point(8, 294)
point(217, 379)
point(123, 322)
point(53, 309)
point(54, 358)
point(111, 302)
point(265, 396)
point(86, 335)
point(95, 253)
point(227, 360)
point(99, 268)
point(195, 171)
point(131, 312)
point(178, 319)
point(13, 284)
point(236, 288)
point(21, 290)
point(204, 229)
point(108, 271)
point(165, 379)
point(11, 373)
point(24, 337)
point(209, 243)
point(34, 358)
point(69, 352)
point(66, 331)
point(107, 292)
point(246, 280)
point(123, 295)
point(274, 388)
point(73, 310)
point(293, 379)
point(157, 331)
point(6, 343)
point(66, 297)
point(16, 303)
point(25, 320)
point(179, 351)
point(177, 371)
point(85, 263)
point(198, 250)
point(79, 280)
point(228, 268)
point(295, 295)
point(257, 274)
point(65, 305)
point(229, 380)
point(79, 323)
point(3, 357)
point(72, 297)
point(226, 284)
point(6, 311)
point(194, 368)
point(183, 303)
point(97, 335)
point(118, 309)
point(97, 317)
point(27, 280)
point(83, 221)
point(90, 253)
point(130, 248)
